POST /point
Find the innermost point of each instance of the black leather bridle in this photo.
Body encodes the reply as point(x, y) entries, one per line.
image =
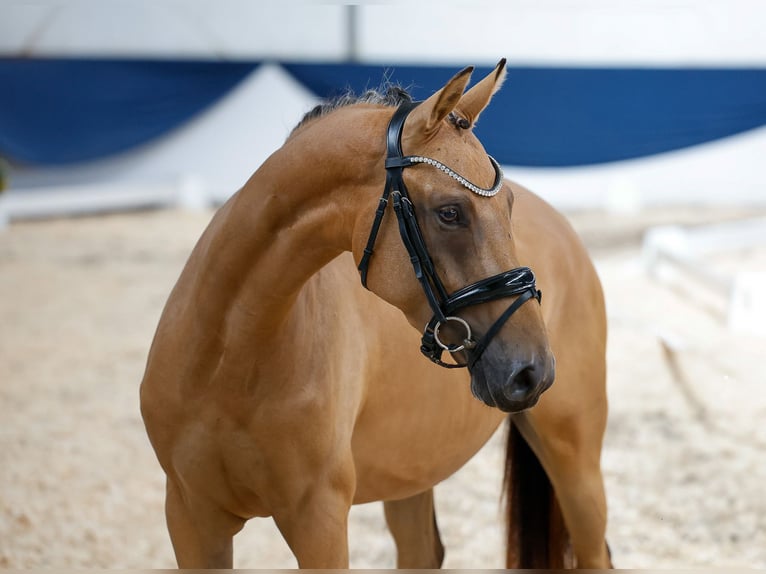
point(516, 282)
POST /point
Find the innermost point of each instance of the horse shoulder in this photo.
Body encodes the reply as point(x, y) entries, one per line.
point(547, 242)
point(573, 308)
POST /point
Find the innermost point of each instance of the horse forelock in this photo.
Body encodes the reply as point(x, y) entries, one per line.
point(390, 95)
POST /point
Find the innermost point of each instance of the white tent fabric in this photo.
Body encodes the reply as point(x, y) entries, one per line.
point(209, 158)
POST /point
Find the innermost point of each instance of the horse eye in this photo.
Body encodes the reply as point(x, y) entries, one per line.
point(449, 214)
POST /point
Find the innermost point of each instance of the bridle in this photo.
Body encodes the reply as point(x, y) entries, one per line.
point(516, 282)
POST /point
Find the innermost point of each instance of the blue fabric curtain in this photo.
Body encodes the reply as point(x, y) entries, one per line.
point(59, 111)
point(579, 116)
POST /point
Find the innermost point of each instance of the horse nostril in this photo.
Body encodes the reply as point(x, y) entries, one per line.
point(522, 382)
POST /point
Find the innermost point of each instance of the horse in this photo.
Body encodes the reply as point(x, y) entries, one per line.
point(280, 385)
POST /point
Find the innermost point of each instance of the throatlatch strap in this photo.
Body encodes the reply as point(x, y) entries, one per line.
point(364, 264)
point(394, 164)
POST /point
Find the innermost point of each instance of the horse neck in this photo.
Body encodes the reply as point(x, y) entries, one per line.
point(293, 216)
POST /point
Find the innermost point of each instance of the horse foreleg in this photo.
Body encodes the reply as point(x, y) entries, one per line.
point(569, 448)
point(314, 523)
point(201, 533)
point(579, 488)
point(412, 522)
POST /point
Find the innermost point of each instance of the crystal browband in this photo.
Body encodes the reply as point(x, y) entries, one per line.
point(460, 179)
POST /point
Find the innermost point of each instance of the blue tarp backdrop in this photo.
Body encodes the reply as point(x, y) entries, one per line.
point(580, 116)
point(62, 111)
point(67, 111)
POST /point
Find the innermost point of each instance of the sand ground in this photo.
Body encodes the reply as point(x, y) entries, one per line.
point(80, 487)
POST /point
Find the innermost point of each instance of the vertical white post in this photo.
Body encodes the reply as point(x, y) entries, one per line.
point(747, 306)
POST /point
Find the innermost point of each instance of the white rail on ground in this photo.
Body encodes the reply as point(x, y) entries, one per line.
point(670, 251)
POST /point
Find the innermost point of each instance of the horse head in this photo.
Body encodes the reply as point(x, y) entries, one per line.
point(453, 217)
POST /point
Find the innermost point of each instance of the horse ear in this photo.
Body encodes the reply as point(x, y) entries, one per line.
point(428, 116)
point(476, 99)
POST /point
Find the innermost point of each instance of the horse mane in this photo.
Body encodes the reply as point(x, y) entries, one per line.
point(391, 95)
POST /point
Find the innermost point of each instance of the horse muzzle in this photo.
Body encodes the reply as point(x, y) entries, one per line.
point(511, 385)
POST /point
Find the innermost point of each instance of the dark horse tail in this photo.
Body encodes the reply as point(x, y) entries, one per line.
point(537, 536)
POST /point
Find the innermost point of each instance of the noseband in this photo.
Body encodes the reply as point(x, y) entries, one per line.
point(516, 282)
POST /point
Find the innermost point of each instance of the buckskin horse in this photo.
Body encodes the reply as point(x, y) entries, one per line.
point(278, 385)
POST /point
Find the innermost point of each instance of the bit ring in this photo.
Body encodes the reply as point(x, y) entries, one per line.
point(451, 348)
